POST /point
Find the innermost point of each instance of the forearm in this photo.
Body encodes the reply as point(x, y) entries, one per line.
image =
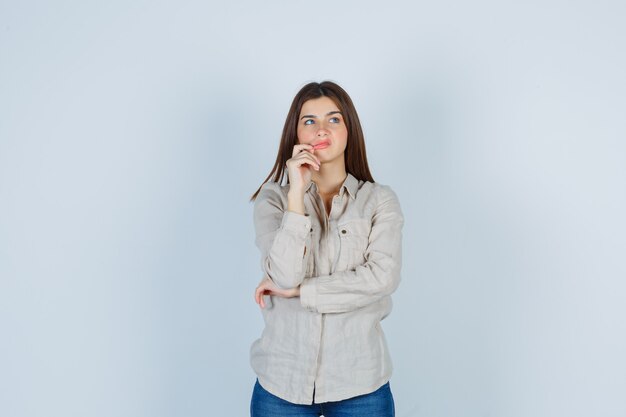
point(283, 235)
point(295, 202)
point(287, 259)
point(287, 256)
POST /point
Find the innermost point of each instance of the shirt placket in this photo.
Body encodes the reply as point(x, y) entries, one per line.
point(328, 248)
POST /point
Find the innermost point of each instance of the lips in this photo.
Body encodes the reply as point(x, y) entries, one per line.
point(321, 145)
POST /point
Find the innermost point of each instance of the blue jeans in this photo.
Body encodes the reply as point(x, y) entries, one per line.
point(376, 404)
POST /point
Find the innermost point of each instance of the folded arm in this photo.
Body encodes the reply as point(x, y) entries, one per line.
point(378, 277)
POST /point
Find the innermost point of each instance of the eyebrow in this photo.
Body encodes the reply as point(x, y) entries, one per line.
point(327, 114)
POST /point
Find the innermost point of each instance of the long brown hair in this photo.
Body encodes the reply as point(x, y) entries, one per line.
point(355, 157)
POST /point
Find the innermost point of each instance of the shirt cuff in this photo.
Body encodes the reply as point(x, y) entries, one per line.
point(308, 294)
point(299, 223)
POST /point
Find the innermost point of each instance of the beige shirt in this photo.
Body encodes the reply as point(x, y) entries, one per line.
point(347, 265)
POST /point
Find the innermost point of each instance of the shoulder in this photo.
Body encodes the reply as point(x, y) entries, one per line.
point(382, 201)
point(385, 192)
point(272, 187)
point(272, 193)
point(379, 193)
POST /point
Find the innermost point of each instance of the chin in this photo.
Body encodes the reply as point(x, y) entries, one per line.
point(331, 158)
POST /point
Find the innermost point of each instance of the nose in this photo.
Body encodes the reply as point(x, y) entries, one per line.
point(322, 131)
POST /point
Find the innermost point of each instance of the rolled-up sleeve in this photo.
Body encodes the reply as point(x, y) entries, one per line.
point(282, 236)
point(376, 278)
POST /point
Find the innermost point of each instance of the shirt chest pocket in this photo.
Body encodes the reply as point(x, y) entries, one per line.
point(353, 241)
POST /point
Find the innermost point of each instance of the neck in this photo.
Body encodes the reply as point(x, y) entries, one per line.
point(330, 177)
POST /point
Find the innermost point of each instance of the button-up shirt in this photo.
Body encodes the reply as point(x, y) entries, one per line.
point(327, 344)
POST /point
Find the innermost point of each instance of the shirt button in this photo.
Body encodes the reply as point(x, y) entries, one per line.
point(343, 231)
point(311, 229)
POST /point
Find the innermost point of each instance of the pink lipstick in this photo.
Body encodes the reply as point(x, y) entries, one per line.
point(321, 145)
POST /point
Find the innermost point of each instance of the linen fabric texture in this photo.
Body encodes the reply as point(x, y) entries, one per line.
point(327, 344)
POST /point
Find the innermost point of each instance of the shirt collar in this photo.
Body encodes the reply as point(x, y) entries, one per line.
point(350, 183)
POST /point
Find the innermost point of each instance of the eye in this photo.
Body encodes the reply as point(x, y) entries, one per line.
point(306, 122)
point(335, 120)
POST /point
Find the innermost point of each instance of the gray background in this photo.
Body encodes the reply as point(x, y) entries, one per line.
point(133, 133)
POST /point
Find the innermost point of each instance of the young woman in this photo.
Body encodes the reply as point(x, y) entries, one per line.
point(330, 242)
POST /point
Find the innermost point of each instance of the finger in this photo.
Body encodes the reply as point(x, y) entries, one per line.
point(257, 294)
point(309, 155)
point(262, 297)
point(299, 147)
point(305, 158)
point(260, 294)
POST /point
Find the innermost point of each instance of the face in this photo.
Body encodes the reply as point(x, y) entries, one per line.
point(321, 122)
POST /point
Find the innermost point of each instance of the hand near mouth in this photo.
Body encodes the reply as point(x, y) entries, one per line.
point(300, 165)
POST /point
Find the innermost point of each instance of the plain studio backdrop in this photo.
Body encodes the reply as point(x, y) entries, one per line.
point(132, 135)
